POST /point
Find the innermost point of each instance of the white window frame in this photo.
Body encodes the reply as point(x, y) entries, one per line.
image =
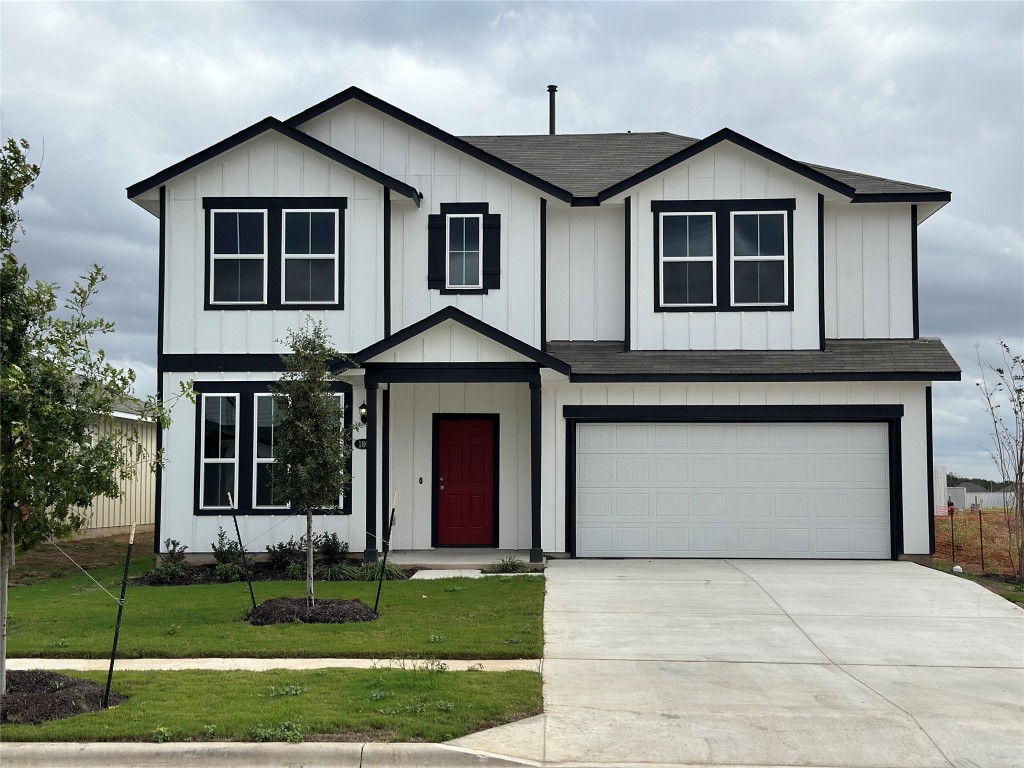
point(203, 460)
point(448, 252)
point(214, 256)
point(312, 256)
point(713, 258)
point(256, 458)
point(784, 258)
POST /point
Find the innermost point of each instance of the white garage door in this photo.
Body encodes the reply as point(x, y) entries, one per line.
point(732, 490)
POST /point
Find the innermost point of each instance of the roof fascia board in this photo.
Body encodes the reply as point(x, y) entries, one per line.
point(458, 316)
point(430, 130)
point(906, 197)
point(258, 129)
point(727, 134)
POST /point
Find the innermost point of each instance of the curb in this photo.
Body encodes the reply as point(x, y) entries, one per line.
point(276, 755)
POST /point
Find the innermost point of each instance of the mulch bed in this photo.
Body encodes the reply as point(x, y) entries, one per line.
point(205, 573)
point(285, 610)
point(35, 696)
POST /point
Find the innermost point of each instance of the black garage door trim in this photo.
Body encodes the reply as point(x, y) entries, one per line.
point(887, 414)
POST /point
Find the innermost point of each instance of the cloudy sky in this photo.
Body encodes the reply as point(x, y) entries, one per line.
point(932, 93)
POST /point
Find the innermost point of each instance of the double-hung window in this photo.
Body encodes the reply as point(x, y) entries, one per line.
point(219, 471)
point(310, 257)
point(688, 260)
point(723, 255)
point(239, 256)
point(266, 493)
point(275, 252)
point(463, 264)
point(464, 249)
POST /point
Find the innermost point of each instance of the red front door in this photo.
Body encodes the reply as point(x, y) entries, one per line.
point(465, 482)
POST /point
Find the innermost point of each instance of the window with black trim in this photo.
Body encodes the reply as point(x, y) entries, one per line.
point(235, 434)
point(723, 255)
point(464, 249)
point(275, 252)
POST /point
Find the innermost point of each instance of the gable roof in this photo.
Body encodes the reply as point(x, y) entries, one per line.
point(458, 316)
point(603, 164)
point(272, 124)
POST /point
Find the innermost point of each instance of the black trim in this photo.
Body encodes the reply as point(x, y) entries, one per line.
point(217, 363)
point(370, 552)
point(385, 466)
point(430, 130)
point(543, 275)
point(453, 313)
point(628, 248)
point(490, 248)
point(536, 456)
point(257, 129)
point(914, 273)
point(409, 373)
point(435, 451)
point(821, 271)
point(387, 262)
point(891, 415)
point(244, 462)
point(767, 375)
point(741, 141)
point(931, 469)
point(160, 303)
point(273, 207)
point(723, 245)
point(938, 196)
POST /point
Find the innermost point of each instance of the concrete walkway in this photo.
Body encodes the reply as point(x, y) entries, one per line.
point(771, 663)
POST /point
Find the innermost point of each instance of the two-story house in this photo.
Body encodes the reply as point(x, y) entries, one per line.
point(627, 345)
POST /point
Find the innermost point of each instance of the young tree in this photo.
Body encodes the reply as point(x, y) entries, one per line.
point(55, 393)
point(1004, 404)
point(311, 445)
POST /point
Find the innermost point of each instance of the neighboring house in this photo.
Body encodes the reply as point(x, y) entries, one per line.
point(629, 345)
point(137, 503)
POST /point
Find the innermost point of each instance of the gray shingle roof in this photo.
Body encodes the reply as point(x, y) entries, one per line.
point(896, 359)
point(587, 163)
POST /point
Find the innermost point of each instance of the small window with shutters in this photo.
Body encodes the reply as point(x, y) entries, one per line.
point(464, 249)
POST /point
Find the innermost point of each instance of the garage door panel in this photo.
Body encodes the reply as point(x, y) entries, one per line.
point(677, 490)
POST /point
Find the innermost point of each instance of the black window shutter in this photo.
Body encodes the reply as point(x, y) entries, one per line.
point(435, 251)
point(492, 250)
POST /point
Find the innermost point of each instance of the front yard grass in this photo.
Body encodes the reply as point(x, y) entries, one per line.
point(498, 617)
point(421, 704)
point(1014, 592)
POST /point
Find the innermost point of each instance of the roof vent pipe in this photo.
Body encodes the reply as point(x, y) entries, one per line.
point(551, 108)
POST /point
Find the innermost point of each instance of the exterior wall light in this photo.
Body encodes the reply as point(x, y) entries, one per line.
point(362, 412)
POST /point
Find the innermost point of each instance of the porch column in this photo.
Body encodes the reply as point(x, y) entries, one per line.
point(370, 553)
point(536, 552)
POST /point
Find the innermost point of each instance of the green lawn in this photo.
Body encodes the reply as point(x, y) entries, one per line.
point(359, 705)
point(1012, 591)
point(495, 617)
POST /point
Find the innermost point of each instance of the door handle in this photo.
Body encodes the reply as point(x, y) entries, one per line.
point(442, 487)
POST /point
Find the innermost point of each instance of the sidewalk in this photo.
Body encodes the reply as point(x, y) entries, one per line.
point(258, 665)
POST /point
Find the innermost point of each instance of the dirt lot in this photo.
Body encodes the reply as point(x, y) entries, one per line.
point(968, 542)
point(46, 562)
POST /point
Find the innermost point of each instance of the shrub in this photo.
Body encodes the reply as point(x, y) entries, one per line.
point(229, 572)
point(173, 567)
point(329, 551)
point(510, 564)
point(337, 572)
point(332, 550)
point(371, 572)
point(228, 554)
point(285, 553)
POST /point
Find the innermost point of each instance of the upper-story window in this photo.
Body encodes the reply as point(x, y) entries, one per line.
point(275, 253)
point(723, 255)
point(464, 249)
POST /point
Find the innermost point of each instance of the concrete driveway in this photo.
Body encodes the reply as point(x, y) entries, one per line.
point(771, 663)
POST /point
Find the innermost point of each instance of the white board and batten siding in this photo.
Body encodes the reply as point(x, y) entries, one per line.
point(868, 272)
point(586, 273)
point(913, 460)
point(450, 342)
point(732, 490)
point(726, 172)
point(444, 175)
point(198, 532)
point(270, 166)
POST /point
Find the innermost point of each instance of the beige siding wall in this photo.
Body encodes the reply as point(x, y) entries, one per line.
point(137, 504)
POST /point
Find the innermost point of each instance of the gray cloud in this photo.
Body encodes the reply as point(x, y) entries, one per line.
point(924, 92)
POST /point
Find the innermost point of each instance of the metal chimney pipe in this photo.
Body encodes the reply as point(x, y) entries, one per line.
point(551, 108)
